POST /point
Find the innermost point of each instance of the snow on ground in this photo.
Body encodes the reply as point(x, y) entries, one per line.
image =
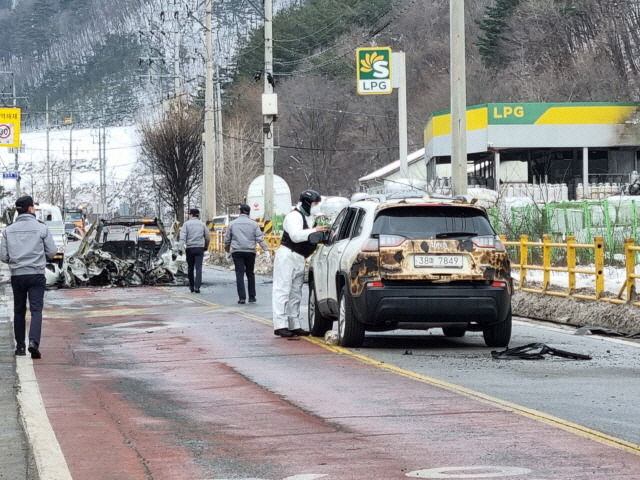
point(122, 151)
point(614, 278)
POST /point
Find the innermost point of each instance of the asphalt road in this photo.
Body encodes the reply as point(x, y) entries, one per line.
point(601, 393)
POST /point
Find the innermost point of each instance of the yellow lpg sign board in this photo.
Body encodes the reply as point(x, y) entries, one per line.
point(9, 127)
point(373, 66)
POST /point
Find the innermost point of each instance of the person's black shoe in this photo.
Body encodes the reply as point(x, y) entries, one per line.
point(197, 290)
point(21, 351)
point(299, 332)
point(33, 349)
point(241, 301)
point(252, 299)
point(283, 332)
point(191, 289)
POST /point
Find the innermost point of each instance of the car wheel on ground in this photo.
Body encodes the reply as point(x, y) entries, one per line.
point(350, 330)
point(498, 334)
point(318, 323)
point(454, 331)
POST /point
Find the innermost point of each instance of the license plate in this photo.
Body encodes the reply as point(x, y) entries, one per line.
point(438, 261)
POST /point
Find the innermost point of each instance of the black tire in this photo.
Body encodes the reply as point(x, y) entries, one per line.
point(318, 323)
point(454, 331)
point(498, 334)
point(350, 330)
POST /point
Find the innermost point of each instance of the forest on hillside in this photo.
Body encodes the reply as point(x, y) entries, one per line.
point(517, 51)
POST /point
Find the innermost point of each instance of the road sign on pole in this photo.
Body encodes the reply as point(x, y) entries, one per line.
point(9, 127)
point(373, 66)
point(13, 176)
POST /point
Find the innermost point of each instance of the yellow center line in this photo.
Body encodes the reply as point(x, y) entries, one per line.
point(566, 425)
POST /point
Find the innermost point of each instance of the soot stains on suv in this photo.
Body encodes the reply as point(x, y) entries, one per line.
point(411, 264)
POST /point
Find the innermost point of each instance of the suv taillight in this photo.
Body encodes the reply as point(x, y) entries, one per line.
point(489, 241)
point(374, 243)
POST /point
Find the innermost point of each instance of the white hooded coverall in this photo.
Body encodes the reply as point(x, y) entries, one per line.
point(288, 274)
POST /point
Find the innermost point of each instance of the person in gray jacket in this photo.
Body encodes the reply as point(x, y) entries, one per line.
point(26, 246)
point(193, 235)
point(241, 238)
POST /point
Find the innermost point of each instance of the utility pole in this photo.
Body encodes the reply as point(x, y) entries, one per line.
point(208, 166)
point(458, 99)
point(269, 109)
point(103, 169)
point(49, 192)
point(220, 143)
point(17, 165)
point(70, 162)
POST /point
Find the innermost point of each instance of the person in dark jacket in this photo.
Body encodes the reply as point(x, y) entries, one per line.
point(194, 235)
point(26, 246)
point(241, 238)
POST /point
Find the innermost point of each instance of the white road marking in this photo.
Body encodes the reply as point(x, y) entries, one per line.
point(44, 444)
point(478, 471)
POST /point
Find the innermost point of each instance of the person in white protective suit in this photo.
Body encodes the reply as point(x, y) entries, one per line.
point(288, 266)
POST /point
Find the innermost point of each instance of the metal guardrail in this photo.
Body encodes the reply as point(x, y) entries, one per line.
point(216, 245)
point(524, 246)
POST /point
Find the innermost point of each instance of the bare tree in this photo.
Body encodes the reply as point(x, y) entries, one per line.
point(242, 162)
point(172, 148)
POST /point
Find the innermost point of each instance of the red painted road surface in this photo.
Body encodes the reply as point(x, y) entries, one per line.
point(147, 384)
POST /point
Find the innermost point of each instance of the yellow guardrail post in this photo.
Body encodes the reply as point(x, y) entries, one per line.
point(630, 265)
point(546, 261)
point(524, 251)
point(571, 262)
point(599, 257)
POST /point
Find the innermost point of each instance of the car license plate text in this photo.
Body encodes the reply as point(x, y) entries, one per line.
point(438, 261)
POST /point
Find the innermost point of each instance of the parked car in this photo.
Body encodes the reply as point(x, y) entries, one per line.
point(149, 232)
point(411, 263)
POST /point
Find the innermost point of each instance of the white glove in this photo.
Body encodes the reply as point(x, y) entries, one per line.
point(267, 255)
point(228, 257)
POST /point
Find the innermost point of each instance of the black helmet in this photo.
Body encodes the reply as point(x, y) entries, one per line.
point(244, 208)
point(307, 198)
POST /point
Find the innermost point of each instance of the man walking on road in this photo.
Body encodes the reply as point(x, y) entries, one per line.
point(26, 246)
point(105, 233)
point(288, 266)
point(241, 237)
point(194, 235)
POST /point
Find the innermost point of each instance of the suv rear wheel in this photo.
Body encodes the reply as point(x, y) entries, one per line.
point(350, 330)
point(318, 323)
point(498, 334)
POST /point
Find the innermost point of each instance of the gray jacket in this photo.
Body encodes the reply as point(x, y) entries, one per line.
point(194, 233)
point(26, 246)
point(242, 235)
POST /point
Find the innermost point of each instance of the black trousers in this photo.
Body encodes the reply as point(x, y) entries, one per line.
point(126, 236)
point(104, 237)
point(31, 287)
point(244, 262)
point(194, 261)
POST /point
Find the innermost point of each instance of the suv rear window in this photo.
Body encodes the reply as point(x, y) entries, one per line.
point(430, 221)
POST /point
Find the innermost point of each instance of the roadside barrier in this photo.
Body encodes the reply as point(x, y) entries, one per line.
point(596, 250)
point(216, 245)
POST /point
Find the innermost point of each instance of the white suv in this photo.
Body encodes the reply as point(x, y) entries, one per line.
point(412, 263)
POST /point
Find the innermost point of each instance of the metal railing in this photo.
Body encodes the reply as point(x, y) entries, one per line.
point(525, 248)
point(216, 245)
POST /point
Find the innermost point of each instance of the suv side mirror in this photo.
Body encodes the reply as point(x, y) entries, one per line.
point(316, 238)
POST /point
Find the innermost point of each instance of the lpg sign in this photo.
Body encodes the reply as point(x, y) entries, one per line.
point(374, 70)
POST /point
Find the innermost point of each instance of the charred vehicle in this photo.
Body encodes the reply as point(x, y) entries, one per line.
point(124, 262)
point(413, 263)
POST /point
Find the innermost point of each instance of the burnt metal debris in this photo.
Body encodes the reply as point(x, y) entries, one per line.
point(536, 351)
point(122, 263)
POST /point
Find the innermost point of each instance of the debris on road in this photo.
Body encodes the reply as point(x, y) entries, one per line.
point(599, 330)
point(331, 337)
point(147, 260)
point(536, 351)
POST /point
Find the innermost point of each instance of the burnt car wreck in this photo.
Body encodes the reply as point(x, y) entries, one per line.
point(145, 260)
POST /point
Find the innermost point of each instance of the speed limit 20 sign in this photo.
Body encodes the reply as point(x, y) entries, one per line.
point(9, 127)
point(374, 70)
